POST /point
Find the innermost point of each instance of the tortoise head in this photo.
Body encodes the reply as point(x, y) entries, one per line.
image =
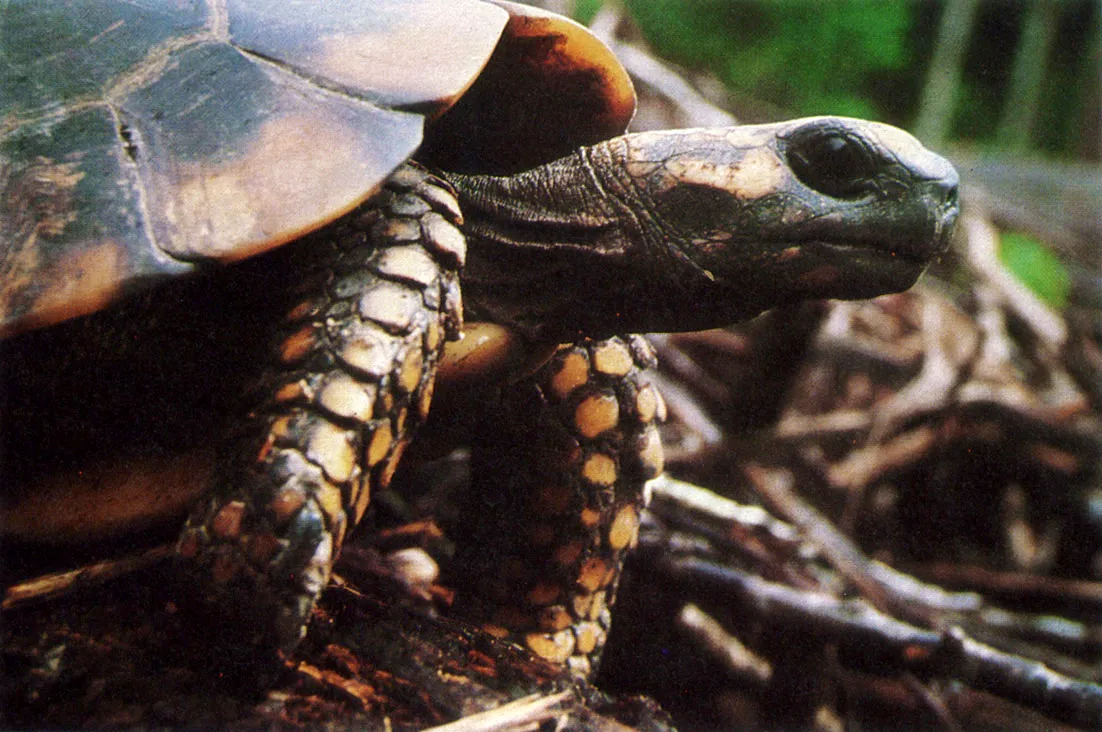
point(690, 229)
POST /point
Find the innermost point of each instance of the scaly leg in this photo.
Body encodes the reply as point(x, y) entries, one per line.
point(558, 485)
point(349, 381)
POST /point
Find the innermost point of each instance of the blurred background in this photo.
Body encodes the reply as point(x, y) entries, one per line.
point(1020, 76)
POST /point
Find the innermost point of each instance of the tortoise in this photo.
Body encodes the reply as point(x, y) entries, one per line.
point(233, 240)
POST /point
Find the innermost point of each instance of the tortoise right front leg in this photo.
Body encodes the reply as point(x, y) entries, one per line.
point(558, 477)
point(350, 379)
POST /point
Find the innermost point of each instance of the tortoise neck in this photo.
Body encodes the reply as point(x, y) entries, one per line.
point(543, 244)
point(582, 246)
point(560, 204)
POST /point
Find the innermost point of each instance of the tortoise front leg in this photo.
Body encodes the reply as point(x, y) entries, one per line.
point(557, 485)
point(350, 379)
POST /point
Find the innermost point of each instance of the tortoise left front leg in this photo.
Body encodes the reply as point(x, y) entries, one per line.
point(349, 379)
point(557, 487)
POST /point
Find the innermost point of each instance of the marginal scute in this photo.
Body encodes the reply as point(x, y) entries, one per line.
point(547, 69)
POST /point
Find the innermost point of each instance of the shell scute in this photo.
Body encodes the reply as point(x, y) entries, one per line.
point(136, 145)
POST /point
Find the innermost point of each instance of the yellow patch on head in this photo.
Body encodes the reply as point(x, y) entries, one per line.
point(759, 173)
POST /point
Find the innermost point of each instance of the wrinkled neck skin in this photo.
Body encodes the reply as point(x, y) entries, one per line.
point(692, 229)
point(565, 250)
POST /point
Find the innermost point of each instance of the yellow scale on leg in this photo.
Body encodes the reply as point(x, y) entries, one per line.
point(557, 492)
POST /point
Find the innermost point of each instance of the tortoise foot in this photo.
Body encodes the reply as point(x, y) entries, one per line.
point(267, 575)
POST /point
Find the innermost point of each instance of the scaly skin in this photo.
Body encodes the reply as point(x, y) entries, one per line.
point(351, 379)
point(556, 497)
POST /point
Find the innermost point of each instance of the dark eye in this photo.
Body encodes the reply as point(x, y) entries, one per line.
point(832, 163)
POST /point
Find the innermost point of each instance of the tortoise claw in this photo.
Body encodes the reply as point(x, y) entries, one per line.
point(272, 593)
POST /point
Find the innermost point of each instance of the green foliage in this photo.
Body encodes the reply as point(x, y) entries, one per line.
point(1037, 267)
point(806, 56)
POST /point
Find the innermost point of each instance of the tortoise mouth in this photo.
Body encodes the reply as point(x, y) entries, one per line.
point(859, 269)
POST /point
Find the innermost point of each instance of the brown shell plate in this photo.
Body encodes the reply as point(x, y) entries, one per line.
point(550, 87)
point(136, 145)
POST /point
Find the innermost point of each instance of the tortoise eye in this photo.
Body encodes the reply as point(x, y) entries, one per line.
point(833, 164)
